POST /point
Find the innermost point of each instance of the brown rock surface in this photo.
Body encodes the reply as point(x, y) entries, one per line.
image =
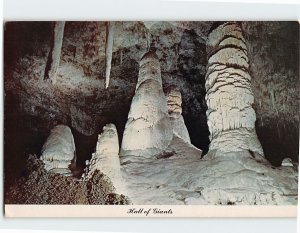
point(37, 186)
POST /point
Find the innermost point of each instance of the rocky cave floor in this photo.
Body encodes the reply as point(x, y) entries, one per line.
point(177, 177)
point(227, 179)
point(37, 186)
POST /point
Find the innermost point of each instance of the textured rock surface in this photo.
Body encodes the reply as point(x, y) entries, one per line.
point(174, 102)
point(231, 179)
point(108, 141)
point(58, 152)
point(276, 86)
point(148, 130)
point(230, 116)
point(37, 186)
point(106, 158)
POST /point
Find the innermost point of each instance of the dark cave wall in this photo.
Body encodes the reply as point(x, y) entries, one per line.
point(84, 45)
point(274, 66)
point(33, 107)
point(88, 54)
point(25, 38)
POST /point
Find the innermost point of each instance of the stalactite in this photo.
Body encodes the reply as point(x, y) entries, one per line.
point(121, 57)
point(272, 97)
point(231, 118)
point(55, 52)
point(108, 50)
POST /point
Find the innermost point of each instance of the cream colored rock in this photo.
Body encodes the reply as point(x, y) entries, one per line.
point(174, 101)
point(108, 141)
point(58, 152)
point(106, 158)
point(230, 116)
point(235, 178)
point(287, 162)
point(148, 130)
point(109, 51)
point(149, 69)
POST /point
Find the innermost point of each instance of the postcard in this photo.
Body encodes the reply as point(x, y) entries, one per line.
point(151, 118)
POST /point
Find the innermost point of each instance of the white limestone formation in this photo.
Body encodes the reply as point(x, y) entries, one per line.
point(108, 141)
point(148, 130)
point(174, 102)
point(233, 179)
point(55, 52)
point(231, 118)
point(108, 50)
point(58, 152)
point(287, 162)
point(106, 158)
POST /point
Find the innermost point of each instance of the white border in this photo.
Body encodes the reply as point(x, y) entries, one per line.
point(146, 211)
point(147, 10)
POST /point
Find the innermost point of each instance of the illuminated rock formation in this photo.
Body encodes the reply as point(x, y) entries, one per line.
point(231, 118)
point(106, 158)
point(108, 141)
point(58, 152)
point(108, 50)
point(55, 52)
point(287, 162)
point(174, 108)
point(148, 130)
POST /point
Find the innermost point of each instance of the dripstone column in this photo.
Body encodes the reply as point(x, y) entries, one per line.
point(231, 118)
point(148, 130)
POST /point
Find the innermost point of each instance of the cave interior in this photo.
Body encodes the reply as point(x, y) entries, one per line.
point(79, 99)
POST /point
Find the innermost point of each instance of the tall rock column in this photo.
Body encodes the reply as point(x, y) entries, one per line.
point(174, 101)
point(106, 158)
point(148, 130)
point(231, 118)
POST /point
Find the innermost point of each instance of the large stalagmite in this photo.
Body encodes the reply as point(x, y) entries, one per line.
point(58, 152)
point(106, 158)
point(174, 108)
point(230, 116)
point(108, 141)
point(148, 130)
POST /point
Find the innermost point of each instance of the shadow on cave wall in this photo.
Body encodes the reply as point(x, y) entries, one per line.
point(25, 134)
point(25, 38)
point(191, 65)
point(279, 141)
point(86, 145)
